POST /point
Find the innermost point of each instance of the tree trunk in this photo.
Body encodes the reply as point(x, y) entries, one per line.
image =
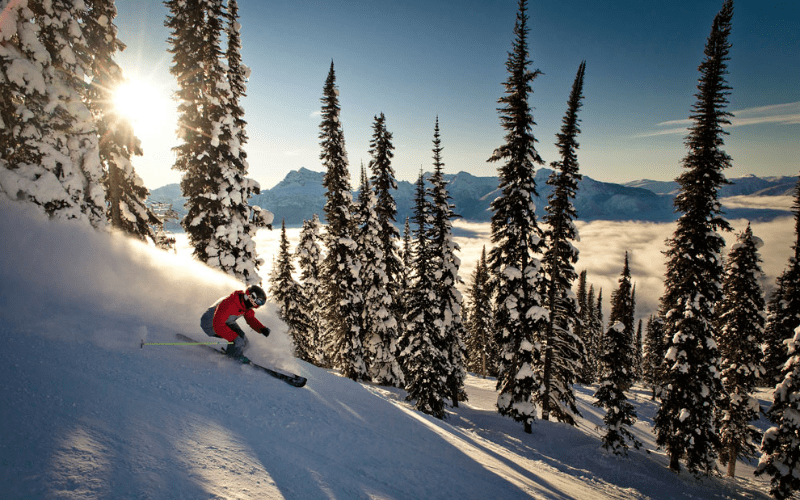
point(114, 196)
point(674, 461)
point(454, 392)
point(548, 352)
point(546, 382)
point(732, 454)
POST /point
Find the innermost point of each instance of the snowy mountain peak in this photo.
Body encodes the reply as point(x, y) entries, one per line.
point(300, 178)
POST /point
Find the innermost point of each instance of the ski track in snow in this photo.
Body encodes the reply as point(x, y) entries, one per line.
point(88, 413)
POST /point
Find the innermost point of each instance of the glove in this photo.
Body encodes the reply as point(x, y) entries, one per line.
point(265, 331)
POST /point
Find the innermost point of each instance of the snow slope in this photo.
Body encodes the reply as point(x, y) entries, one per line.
point(87, 413)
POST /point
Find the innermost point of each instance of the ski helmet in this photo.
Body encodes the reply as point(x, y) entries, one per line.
point(256, 296)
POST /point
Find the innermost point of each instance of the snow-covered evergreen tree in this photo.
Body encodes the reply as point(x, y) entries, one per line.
point(364, 203)
point(638, 348)
point(784, 306)
point(654, 351)
point(520, 316)
point(598, 329)
point(219, 222)
point(780, 446)
point(564, 350)
point(774, 334)
point(617, 363)
point(187, 23)
point(481, 347)
point(238, 74)
point(310, 261)
point(49, 153)
point(406, 255)
point(286, 292)
point(739, 332)
point(586, 374)
point(684, 423)
point(343, 301)
point(125, 190)
point(384, 185)
point(446, 263)
point(424, 364)
point(378, 323)
point(592, 335)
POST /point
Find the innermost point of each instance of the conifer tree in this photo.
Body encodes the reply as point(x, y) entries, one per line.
point(343, 301)
point(446, 264)
point(285, 292)
point(188, 27)
point(581, 328)
point(384, 184)
point(423, 362)
point(363, 205)
point(564, 351)
point(407, 260)
point(310, 261)
point(125, 190)
point(75, 132)
point(520, 316)
point(219, 222)
point(598, 331)
point(592, 335)
point(636, 340)
point(617, 363)
point(784, 307)
point(481, 347)
point(378, 322)
point(237, 74)
point(49, 153)
point(684, 423)
point(774, 349)
point(21, 104)
point(639, 351)
point(780, 457)
point(599, 309)
point(654, 350)
point(739, 332)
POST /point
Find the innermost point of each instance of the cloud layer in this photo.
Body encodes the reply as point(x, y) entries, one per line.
point(602, 249)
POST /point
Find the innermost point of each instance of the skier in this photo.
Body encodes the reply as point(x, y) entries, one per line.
point(220, 319)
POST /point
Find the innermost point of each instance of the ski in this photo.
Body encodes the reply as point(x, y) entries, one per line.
point(290, 378)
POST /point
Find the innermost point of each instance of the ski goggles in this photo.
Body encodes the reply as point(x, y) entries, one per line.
point(255, 300)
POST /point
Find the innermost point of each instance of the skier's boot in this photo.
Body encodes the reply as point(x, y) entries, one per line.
point(236, 350)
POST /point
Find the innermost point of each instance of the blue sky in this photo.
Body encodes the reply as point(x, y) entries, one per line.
point(415, 60)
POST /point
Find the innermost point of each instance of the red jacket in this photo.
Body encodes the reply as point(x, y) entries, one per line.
point(228, 310)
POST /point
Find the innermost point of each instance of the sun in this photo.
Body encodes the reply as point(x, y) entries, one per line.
point(147, 106)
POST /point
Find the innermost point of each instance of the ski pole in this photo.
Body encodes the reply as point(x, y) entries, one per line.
point(183, 343)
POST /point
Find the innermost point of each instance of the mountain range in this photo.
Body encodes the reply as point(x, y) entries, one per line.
point(300, 195)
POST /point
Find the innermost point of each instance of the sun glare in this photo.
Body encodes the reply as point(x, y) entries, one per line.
point(149, 108)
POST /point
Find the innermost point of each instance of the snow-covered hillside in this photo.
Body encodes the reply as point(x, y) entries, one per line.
point(88, 413)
